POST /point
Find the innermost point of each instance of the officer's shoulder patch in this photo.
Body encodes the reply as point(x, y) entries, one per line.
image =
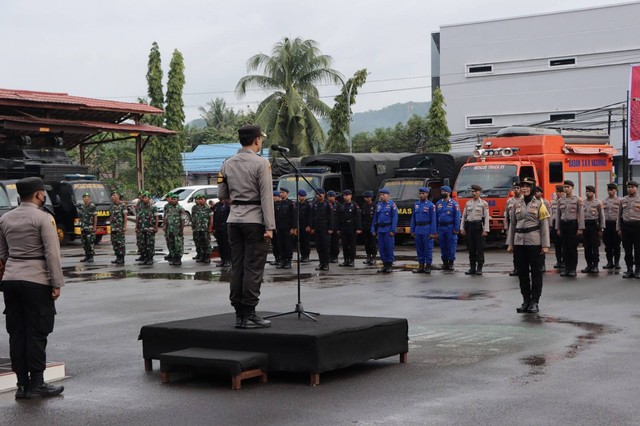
point(221, 179)
point(53, 223)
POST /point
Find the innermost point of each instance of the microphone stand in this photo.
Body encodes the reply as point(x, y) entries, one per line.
point(299, 309)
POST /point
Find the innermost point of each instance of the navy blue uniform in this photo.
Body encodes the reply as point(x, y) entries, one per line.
point(334, 250)
point(368, 211)
point(423, 226)
point(349, 222)
point(320, 222)
point(305, 248)
point(285, 222)
point(448, 218)
point(385, 221)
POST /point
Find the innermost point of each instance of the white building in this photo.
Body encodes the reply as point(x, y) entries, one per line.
point(565, 69)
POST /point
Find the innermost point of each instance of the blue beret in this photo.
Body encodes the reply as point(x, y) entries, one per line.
point(384, 191)
point(368, 194)
point(319, 191)
point(347, 192)
point(331, 193)
point(302, 193)
point(445, 189)
point(424, 189)
point(276, 193)
point(283, 189)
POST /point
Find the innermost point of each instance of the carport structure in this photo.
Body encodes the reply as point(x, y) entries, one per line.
point(68, 121)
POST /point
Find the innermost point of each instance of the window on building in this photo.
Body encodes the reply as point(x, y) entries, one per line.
point(480, 69)
point(562, 62)
point(555, 172)
point(562, 116)
point(479, 121)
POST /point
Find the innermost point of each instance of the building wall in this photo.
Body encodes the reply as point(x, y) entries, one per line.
point(520, 71)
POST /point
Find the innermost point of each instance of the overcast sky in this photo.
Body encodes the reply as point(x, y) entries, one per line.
point(100, 49)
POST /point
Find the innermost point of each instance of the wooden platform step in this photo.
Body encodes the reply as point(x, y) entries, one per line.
point(55, 371)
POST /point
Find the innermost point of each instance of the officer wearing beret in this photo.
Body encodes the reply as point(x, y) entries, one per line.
point(321, 227)
point(384, 226)
point(334, 244)
point(30, 254)
point(303, 208)
point(594, 223)
point(423, 229)
point(611, 239)
point(368, 211)
point(555, 238)
point(569, 225)
point(517, 195)
point(475, 218)
point(88, 226)
point(628, 227)
point(448, 218)
point(527, 238)
point(146, 228)
point(173, 227)
point(245, 179)
point(201, 228)
point(118, 220)
point(349, 225)
point(285, 215)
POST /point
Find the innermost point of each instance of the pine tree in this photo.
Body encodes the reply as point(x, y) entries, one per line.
point(437, 129)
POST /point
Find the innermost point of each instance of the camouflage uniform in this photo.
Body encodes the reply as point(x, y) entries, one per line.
point(173, 231)
point(145, 229)
point(200, 218)
point(118, 214)
point(87, 219)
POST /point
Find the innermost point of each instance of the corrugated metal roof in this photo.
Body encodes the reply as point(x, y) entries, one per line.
point(12, 97)
point(209, 158)
point(86, 127)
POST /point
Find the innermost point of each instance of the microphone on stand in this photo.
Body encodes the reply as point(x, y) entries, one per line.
point(278, 148)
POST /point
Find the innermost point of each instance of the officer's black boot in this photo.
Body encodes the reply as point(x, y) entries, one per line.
point(177, 261)
point(372, 261)
point(90, 259)
point(609, 264)
point(141, 258)
point(617, 263)
point(636, 272)
point(37, 387)
point(472, 269)
point(345, 262)
point(420, 269)
point(287, 264)
point(427, 268)
point(629, 273)
point(383, 268)
point(389, 268)
point(479, 269)
point(594, 268)
point(513, 273)
point(587, 269)
point(366, 262)
point(239, 315)
point(351, 261)
point(253, 320)
point(23, 383)
point(115, 261)
point(281, 264)
point(120, 260)
point(451, 265)
point(84, 259)
point(523, 308)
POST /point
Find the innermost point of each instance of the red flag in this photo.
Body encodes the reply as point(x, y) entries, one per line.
point(634, 105)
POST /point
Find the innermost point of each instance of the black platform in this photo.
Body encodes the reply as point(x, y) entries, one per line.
point(293, 344)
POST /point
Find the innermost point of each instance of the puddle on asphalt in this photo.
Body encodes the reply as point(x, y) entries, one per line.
point(74, 273)
point(592, 333)
point(454, 295)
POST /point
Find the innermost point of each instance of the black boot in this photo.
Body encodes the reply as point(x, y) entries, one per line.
point(609, 264)
point(587, 269)
point(115, 261)
point(636, 272)
point(345, 263)
point(90, 259)
point(383, 268)
point(533, 308)
point(628, 274)
point(350, 263)
point(420, 269)
point(513, 273)
point(239, 315)
point(141, 258)
point(84, 259)
point(120, 260)
point(287, 264)
point(479, 269)
point(594, 268)
point(524, 307)
point(617, 263)
point(427, 268)
point(389, 268)
point(253, 320)
point(372, 261)
point(451, 265)
point(472, 269)
point(366, 262)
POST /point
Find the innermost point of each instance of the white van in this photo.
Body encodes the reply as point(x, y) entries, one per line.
point(187, 198)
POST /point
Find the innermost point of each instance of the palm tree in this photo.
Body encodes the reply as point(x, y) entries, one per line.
point(289, 113)
point(218, 115)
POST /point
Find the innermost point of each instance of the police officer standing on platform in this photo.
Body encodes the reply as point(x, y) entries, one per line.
point(611, 239)
point(285, 228)
point(423, 229)
point(555, 238)
point(476, 227)
point(569, 225)
point(88, 225)
point(30, 254)
point(349, 225)
point(629, 229)
point(527, 237)
point(384, 226)
point(303, 209)
point(448, 218)
point(245, 179)
point(368, 209)
point(593, 226)
point(321, 227)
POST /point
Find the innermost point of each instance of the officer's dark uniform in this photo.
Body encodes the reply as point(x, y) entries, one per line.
point(334, 248)
point(569, 220)
point(220, 215)
point(275, 248)
point(285, 222)
point(349, 222)
point(423, 228)
point(611, 239)
point(476, 223)
point(593, 214)
point(628, 227)
point(368, 210)
point(555, 238)
point(304, 208)
point(320, 222)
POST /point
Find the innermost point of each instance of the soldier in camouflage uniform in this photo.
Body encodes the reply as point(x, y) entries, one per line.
point(137, 206)
point(88, 225)
point(173, 230)
point(118, 227)
point(146, 228)
point(202, 226)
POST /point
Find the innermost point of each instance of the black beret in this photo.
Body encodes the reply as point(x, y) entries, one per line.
point(250, 131)
point(570, 183)
point(612, 186)
point(632, 183)
point(539, 189)
point(28, 186)
point(347, 192)
point(476, 187)
point(559, 188)
point(367, 194)
point(590, 188)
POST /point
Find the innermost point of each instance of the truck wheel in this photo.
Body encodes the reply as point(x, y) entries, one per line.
point(98, 238)
point(62, 236)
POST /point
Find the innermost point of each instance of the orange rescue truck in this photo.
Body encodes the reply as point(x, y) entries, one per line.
point(549, 156)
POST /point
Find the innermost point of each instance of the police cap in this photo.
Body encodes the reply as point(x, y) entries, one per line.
point(28, 186)
point(612, 186)
point(86, 194)
point(445, 189)
point(249, 132)
point(283, 189)
point(320, 191)
point(476, 187)
point(331, 193)
point(591, 188)
point(516, 184)
point(384, 191)
point(367, 194)
point(423, 189)
point(539, 189)
point(302, 193)
point(559, 188)
point(569, 183)
point(276, 193)
point(528, 181)
point(347, 192)
point(632, 183)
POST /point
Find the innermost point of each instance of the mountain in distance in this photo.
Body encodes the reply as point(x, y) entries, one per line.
point(368, 121)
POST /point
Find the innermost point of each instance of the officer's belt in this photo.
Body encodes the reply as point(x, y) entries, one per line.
point(246, 203)
point(527, 230)
point(591, 221)
point(384, 224)
point(474, 222)
point(611, 220)
point(422, 223)
point(28, 257)
point(569, 221)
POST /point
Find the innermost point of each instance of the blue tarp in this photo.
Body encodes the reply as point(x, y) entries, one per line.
point(209, 158)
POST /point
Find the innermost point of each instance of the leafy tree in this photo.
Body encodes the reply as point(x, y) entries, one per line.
point(154, 84)
point(417, 134)
point(218, 115)
point(340, 115)
point(291, 72)
point(438, 132)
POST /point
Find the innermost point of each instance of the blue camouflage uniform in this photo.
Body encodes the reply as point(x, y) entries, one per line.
point(448, 217)
point(423, 226)
point(385, 221)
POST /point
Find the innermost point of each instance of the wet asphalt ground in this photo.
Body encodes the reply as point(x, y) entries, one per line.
point(472, 359)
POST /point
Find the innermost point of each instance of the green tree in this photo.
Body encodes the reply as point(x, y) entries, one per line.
point(289, 113)
point(218, 115)
point(438, 132)
point(417, 134)
point(154, 83)
point(340, 115)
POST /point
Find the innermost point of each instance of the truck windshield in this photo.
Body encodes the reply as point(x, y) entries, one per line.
point(97, 191)
point(12, 193)
point(289, 182)
point(4, 199)
point(494, 179)
point(405, 189)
